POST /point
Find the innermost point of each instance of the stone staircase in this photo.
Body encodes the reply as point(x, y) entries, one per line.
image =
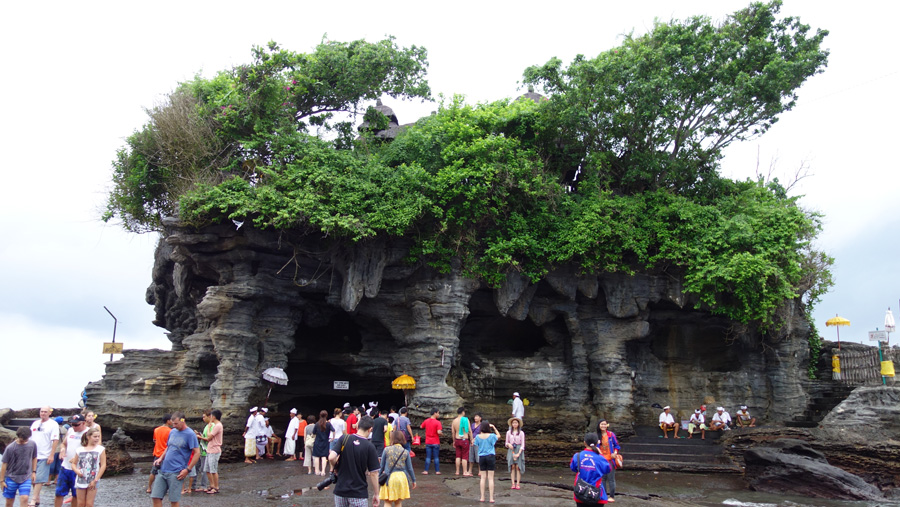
point(648, 450)
point(824, 396)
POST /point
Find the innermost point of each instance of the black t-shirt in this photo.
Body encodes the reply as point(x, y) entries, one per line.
point(378, 432)
point(357, 458)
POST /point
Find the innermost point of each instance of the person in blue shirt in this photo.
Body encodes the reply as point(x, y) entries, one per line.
point(487, 459)
point(590, 466)
point(176, 462)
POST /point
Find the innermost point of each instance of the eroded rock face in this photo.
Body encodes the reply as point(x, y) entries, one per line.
point(238, 301)
point(792, 466)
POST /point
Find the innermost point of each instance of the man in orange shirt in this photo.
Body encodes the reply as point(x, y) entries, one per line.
point(160, 440)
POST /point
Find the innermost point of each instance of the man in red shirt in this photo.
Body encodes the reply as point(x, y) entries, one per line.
point(433, 432)
point(353, 421)
point(160, 441)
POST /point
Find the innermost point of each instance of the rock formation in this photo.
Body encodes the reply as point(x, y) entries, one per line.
point(236, 301)
point(792, 466)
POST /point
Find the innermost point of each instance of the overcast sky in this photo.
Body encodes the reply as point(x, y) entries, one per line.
point(77, 76)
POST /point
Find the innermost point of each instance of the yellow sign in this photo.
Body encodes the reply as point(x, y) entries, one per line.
point(112, 348)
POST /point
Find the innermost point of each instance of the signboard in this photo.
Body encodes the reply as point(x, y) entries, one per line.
point(341, 385)
point(112, 348)
point(878, 336)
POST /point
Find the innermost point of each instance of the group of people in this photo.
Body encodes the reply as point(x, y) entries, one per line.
point(181, 455)
point(30, 461)
point(721, 421)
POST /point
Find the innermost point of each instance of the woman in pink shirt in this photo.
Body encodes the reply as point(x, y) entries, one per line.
point(515, 456)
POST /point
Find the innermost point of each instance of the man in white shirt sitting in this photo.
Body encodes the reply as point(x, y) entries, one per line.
point(667, 422)
point(697, 422)
point(744, 419)
point(720, 420)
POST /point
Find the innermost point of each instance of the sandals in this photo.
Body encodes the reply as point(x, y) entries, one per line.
point(212, 491)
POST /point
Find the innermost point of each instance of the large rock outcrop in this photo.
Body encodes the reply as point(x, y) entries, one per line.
point(236, 301)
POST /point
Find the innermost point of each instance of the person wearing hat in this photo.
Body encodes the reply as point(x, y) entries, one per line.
point(667, 422)
point(720, 420)
point(518, 409)
point(66, 481)
point(290, 436)
point(515, 454)
point(744, 419)
point(698, 420)
point(250, 431)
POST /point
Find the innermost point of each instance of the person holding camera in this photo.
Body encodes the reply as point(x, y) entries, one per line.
point(355, 467)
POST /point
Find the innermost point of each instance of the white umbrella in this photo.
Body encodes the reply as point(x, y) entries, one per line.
point(889, 325)
point(274, 376)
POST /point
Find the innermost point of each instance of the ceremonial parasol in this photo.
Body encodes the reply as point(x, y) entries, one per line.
point(889, 324)
point(838, 321)
point(404, 382)
point(274, 376)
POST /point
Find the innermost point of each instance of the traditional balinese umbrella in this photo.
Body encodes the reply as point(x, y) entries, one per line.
point(274, 376)
point(889, 324)
point(404, 382)
point(838, 321)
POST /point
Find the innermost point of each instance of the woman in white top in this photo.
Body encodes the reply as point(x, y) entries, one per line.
point(88, 464)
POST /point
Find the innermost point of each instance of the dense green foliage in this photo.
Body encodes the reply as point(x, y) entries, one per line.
point(642, 126)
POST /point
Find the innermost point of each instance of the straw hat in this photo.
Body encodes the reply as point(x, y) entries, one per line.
point(511, 419)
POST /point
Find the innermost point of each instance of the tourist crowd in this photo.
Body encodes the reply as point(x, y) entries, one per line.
point(352, 448)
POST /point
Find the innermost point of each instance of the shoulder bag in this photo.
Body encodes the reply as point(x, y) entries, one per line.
point(384, 476)
point(586, 492)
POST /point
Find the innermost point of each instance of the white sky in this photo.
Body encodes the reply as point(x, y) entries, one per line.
point(77, 75)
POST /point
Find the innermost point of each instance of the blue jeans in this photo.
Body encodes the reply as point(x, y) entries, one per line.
point(431, 453)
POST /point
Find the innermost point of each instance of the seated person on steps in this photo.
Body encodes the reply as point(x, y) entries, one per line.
point(744, 419)
point(697, 422)
point(667, 422)
point(720, 420)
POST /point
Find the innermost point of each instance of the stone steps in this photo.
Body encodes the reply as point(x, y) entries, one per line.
point(647, 450)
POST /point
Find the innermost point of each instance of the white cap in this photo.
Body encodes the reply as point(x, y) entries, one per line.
point(264, 410)
point(347, 405)
point(254, 409)
point(720, 409)
point(515, 394)
point(267, 418)
point(697, 411)
point(293, 410)
point(743, 407)
point(666, 407)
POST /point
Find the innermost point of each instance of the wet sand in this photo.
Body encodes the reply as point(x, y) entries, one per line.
point(272, 483)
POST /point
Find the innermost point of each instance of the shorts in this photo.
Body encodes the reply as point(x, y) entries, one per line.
point(65, 483)
point(10, 487)
point(461, 445)
point(167, 482)
point(343, 501)
point(43, 471)
point(487, 463)
point(212, 463)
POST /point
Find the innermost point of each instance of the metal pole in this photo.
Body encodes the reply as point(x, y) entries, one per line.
point(115, 323)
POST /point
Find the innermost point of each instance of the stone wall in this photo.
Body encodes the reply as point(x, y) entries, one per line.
point(238, 301)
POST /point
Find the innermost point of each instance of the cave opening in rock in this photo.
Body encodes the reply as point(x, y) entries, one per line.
point(338, 358)
point(487, 333)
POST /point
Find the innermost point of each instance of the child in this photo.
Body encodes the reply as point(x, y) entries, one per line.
point(88, 464)
point(18, 469)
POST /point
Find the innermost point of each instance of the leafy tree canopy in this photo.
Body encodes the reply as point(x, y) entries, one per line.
point(616, 170)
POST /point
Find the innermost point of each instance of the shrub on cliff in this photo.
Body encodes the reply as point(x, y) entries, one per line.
point(616, 171)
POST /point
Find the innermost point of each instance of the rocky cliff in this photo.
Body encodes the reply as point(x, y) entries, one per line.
point(237, 300)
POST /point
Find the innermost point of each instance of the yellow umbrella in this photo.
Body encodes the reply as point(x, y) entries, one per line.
point(404, 382)
point(838, 321)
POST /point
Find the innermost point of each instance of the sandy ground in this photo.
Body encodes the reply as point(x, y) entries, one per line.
point(272, 483)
